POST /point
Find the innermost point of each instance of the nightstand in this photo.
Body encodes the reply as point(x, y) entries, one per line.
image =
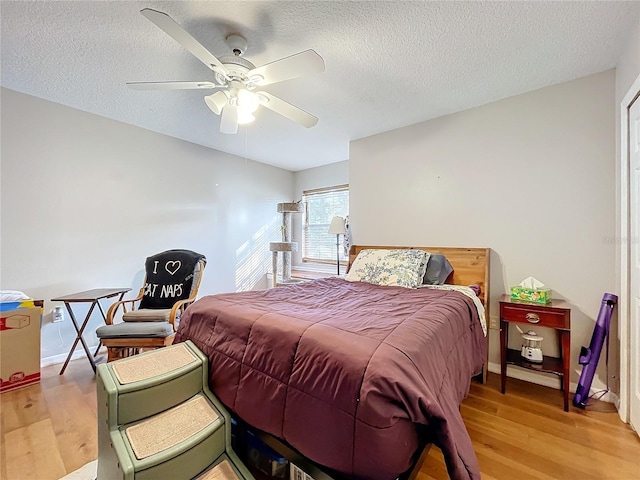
point(556, 315)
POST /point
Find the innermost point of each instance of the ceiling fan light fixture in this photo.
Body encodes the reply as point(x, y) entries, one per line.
point(248, 101)
point(216, 102)
point(245, 117)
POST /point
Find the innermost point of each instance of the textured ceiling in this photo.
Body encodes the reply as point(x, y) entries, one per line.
point(388, 64)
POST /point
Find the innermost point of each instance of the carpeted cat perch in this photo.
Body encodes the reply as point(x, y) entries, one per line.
point(286, 246)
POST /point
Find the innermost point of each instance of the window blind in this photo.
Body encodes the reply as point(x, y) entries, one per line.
point(321, 206)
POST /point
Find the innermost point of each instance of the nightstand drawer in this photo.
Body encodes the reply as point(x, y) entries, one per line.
point(534, 315)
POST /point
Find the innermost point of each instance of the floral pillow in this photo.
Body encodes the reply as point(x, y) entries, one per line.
point(401, 267)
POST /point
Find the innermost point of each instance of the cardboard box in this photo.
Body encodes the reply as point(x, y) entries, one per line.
point(531, 295)
point(19, 345)
point(296, 473)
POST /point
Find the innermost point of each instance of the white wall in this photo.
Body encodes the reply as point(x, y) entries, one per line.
point(532, 177)
point(330, 175)
point(86, 199)
point(628, 67)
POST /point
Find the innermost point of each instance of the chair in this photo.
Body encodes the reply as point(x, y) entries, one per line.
point(172, 279)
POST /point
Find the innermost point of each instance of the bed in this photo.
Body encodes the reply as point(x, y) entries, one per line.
point(353, 376)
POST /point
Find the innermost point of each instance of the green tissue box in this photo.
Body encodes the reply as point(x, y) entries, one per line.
point(531, 295)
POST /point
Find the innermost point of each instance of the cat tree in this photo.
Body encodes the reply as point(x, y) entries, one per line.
point(286, 246)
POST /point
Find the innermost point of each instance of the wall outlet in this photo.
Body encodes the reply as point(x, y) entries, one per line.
point(57, 315)
point(494, 322)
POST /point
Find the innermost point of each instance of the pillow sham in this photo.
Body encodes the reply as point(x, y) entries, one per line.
point(397, 267)
point(438, 270)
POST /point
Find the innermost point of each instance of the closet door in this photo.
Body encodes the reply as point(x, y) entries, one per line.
point(634, 264)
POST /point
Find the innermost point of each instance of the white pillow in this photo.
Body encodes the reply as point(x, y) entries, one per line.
point(399, 267)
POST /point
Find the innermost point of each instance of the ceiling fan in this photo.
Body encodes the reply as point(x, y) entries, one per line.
point(236, 78)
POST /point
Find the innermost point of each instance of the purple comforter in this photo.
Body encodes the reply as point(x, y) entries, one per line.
point(343, 371)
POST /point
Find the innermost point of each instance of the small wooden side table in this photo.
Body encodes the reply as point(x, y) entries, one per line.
point(556, 315)
point(93, 297)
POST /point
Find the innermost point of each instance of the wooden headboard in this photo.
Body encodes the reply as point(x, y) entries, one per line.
point(470, 266)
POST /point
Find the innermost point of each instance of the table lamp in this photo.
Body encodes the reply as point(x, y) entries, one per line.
point(337, 228)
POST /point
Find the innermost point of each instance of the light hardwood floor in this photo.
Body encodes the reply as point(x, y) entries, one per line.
point(49, 430)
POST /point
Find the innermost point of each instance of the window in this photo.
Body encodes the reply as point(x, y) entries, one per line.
point(321, 206)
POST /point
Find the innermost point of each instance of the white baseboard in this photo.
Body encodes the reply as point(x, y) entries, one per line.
point(59, 359)
point(548, 381)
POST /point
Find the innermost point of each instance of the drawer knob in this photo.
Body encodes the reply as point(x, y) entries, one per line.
point(533, 318)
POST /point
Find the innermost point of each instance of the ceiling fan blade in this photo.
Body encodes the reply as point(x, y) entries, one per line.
point(216, 102)
point(170, 85)
point(287, 110)
point(229, 120)
point(298, 65)
point(170, 27)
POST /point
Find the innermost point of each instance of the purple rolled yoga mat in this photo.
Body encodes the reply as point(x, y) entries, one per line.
point(589, 356)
